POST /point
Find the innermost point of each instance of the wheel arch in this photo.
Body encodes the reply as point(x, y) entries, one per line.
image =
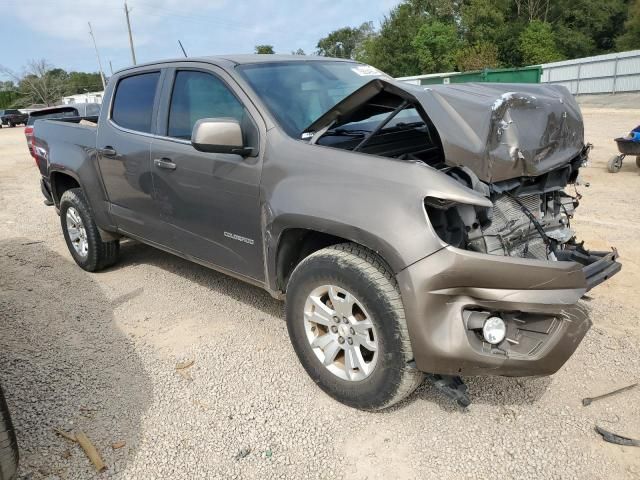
point(61, 181)
point(297, 238)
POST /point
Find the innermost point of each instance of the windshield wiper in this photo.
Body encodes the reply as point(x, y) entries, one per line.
point(343, 132)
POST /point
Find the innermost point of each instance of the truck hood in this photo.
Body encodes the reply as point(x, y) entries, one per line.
point(499, 131)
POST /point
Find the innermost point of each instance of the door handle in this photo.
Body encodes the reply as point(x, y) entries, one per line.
point(108, 152)
point(164, 163)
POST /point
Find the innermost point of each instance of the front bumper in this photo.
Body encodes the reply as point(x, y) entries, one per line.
point(539, 300)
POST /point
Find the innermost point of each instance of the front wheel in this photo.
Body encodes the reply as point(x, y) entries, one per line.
point(82, 235)
point(346, 322)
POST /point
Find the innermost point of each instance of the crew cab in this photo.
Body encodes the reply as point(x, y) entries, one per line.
point(410, 229)
point(11, 118)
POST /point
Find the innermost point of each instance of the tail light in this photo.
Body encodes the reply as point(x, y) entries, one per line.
point(28, 133)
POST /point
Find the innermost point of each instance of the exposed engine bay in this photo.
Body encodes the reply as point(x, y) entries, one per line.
point(529, 219)
point(522, 150)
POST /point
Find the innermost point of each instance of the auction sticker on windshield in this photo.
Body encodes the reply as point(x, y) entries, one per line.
point(367, 71)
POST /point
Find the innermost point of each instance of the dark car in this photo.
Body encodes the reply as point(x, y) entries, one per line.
point(411, 230)
point(8, 443)
point(12, 118)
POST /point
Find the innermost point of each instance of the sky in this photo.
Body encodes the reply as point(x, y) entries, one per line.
point(57, 30)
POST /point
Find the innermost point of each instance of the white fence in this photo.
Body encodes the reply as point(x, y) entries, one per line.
point(610, 73)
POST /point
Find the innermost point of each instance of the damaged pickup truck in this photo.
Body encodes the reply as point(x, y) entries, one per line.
point(411, 230)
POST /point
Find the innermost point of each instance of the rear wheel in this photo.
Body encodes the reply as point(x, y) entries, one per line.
point(346, 321)
point(615, 164)
point(82, 235)
point(8, 443)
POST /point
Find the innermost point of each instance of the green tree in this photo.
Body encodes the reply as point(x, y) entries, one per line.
point(80, 82)
point(345, 42)
point(392, 49)
point(436, 44)
point(630, 39)
point(477, 57)
point(40, 83)
point(586, 27)
point(538, 44)
point(298, 52)
point(268, 49)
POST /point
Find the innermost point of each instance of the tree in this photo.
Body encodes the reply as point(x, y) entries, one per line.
point(484, 20)
point(630, 39)
point(391, 50)
point(533, 9)
point(538, 44)
point(436, 44)
point(586, 27)
point(477, 57)
point(345, 42)
point(298, 52)
point(80, 82)
point(265, 49)
point(40, 83)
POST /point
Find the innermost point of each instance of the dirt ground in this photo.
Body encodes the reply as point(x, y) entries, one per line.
point(97, 352)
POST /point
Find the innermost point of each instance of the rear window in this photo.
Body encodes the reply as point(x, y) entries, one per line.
point(133, 101)
point(11, 112)
point(67, 112)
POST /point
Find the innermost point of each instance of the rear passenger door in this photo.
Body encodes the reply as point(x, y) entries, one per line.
point(123, 143)
point(209, 202)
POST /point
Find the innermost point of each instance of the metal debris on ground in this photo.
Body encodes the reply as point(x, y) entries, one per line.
point(243, 452)
point(589, 400)
point(453, 387)
point(617, 439)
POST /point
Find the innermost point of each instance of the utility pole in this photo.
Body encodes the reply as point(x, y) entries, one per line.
point(104, 84)
point(126, 12)
point(111, 67)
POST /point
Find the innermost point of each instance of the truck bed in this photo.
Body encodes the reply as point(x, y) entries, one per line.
point(63, 139)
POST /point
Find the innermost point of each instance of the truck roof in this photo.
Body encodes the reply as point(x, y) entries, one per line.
point(242, 59)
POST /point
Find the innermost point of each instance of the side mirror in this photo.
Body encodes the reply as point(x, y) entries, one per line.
point(219, 135)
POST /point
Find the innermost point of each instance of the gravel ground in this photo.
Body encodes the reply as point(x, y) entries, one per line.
point(97, 353)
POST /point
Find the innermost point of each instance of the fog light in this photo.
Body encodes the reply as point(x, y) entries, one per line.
point(494, 330)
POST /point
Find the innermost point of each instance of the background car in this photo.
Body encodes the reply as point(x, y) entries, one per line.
point(12, 117)
point(73, 112)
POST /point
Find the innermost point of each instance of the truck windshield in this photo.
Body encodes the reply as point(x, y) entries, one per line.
point(299, 92)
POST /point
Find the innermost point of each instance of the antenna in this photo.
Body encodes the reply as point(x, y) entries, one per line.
point(185, 53)
point(104, 84)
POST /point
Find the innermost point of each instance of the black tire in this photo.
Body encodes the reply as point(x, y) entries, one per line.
point(100, 254)
point(368, 278)
point(8, 443)
point(638, 161)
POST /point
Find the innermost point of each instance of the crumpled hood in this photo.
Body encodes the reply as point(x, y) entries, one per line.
point(500, 131)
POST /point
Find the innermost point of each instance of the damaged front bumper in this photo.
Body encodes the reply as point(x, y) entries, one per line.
point(446, 296)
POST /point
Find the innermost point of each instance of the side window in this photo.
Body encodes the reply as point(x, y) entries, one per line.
point(199, 95)
point(133, 101)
